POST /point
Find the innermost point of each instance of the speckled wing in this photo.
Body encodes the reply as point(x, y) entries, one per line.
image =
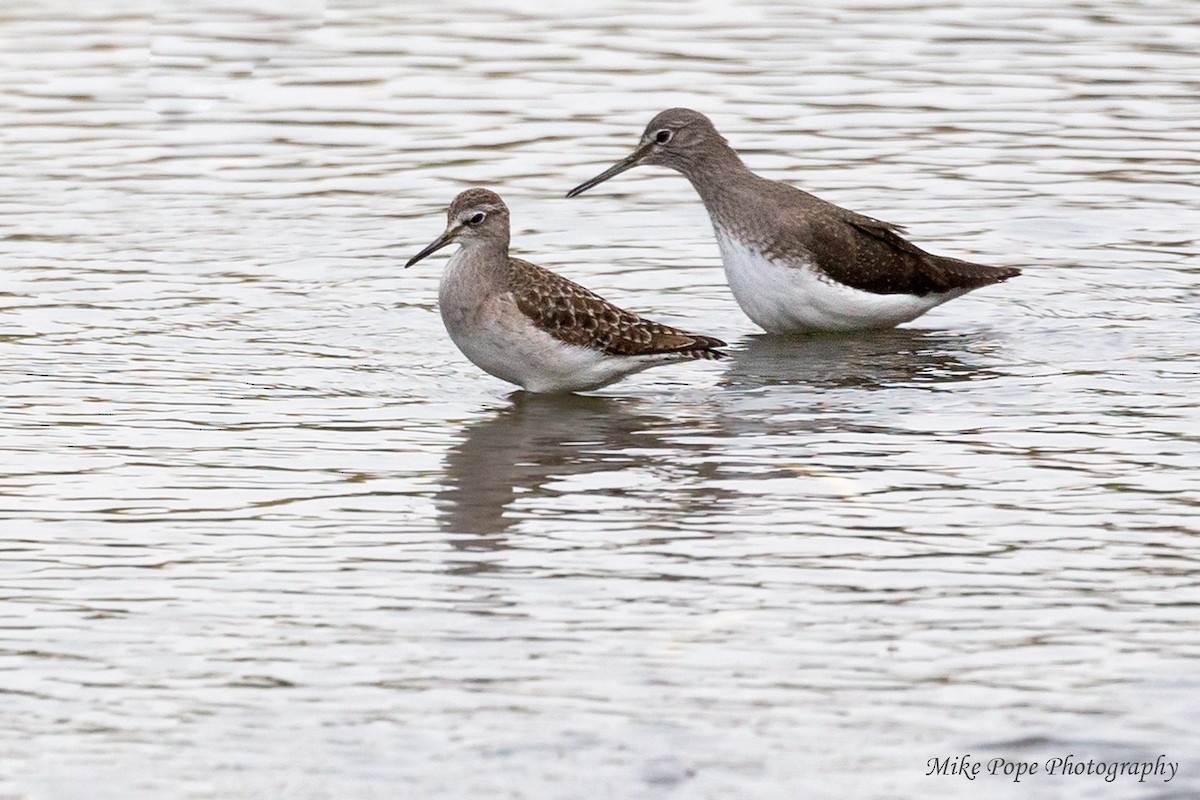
point(575, 315)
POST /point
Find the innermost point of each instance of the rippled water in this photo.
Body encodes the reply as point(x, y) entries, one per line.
point(267, 534)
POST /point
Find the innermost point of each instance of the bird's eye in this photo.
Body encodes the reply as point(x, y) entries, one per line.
point(663, 136)
point(476, 218)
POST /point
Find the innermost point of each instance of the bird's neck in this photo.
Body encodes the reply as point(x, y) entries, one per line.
point(713, 172)
point(481, 265)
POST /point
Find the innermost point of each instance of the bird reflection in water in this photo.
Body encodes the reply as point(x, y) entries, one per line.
point(519, 456)
point(537, 441)
point(898, 357)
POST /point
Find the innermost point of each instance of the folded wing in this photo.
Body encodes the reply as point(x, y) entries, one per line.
point(575, 315)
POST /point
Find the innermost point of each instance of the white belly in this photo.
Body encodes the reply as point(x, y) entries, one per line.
point(800, 299)
point(507, 346)
point(493, 333)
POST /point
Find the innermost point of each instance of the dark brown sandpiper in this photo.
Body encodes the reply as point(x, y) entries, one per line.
point(794, 262)
point(527, 325)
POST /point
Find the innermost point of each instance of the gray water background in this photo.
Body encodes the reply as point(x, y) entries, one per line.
point(266, 533)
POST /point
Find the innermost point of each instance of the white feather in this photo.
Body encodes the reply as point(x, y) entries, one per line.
point(784, 298)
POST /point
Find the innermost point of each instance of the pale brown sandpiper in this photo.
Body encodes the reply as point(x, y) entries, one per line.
point(528, 326)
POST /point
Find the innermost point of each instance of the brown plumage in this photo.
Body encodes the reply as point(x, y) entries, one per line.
point(852, 249)
point(576, 315)
point(795, 262)
point(531, 327)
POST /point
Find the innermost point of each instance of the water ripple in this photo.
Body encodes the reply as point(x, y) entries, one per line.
point(259, 510)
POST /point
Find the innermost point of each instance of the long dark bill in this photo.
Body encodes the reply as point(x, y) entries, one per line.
point(615, 169)
point(437, 244)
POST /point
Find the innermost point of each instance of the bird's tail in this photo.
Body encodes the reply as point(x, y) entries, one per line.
point(959, 274)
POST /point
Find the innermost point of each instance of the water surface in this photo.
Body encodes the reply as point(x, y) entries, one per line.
point(266, 532)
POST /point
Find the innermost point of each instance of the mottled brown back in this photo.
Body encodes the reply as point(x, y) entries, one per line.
point(578, 316)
